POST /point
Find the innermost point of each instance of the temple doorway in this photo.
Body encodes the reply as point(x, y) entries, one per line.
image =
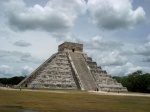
point(73, 50)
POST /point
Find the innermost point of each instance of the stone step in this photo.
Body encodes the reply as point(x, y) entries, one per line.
point(83, 72)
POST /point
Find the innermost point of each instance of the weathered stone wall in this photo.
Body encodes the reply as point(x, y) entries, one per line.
point(56, 75)
point(71, 47)
point(36, 72)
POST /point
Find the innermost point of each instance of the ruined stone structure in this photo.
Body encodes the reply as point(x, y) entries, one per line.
point(71, 68)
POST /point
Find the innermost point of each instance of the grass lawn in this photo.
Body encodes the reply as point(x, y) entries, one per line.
point(72, 101)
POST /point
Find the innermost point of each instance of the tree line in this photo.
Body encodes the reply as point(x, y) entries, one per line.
point(11, 81)
point(136, 81)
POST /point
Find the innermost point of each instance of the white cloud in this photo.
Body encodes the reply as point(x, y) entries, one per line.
point(113, 59)
point(9, 71)
point(6, 71)
point(99, 43)
point(113, 14)
point(143, 49)
point(26, 70)
point(148, 37)
point(126, 69)
point(22, 43)
point(146, 59)
point(17, 57)
point(55, 17)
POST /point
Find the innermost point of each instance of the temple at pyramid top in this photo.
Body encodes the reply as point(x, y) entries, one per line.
point(71, 68)
point(72, 47)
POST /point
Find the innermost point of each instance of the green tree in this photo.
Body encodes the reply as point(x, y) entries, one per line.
point(11, 81)
point(136, 81)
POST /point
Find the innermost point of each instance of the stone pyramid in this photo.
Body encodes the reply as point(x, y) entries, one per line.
point(71, 68)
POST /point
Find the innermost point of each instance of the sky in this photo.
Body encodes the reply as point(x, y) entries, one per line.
point(115, 33)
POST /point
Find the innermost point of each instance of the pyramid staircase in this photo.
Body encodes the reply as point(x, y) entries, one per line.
point(83, 72)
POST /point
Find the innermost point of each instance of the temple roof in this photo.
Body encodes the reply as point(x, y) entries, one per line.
point(72, 47)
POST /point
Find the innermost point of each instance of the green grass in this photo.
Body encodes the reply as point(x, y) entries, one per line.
point(72, 101)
